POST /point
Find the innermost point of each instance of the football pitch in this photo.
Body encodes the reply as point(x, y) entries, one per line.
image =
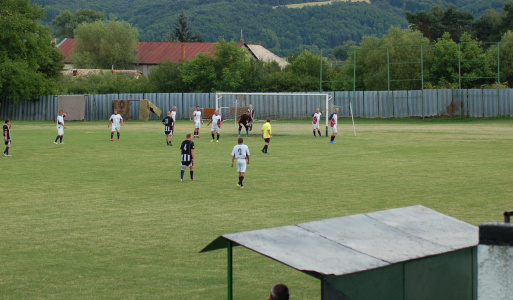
point(95, 219)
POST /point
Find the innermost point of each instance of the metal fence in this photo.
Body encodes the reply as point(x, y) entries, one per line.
point(372, 104)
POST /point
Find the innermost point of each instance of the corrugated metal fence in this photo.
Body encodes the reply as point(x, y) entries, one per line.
point(371, 104)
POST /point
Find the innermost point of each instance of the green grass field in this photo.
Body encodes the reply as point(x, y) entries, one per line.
point(94, 219)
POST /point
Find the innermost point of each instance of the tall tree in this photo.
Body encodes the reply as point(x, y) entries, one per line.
point(104, 45)
point(435, 23)
point(29, 62)
point(182, 31)
point(65, 22)
point(442, 66)
point(488, 27)
point(395, 57)
point(167, 78)
point(307, 69)
point(505, 53)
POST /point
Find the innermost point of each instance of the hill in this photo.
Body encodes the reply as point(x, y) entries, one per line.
point(281, 29)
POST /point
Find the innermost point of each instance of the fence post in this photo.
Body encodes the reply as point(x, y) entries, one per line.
point(388, 84)
point(422, 78)
point(498, 80)
point(459, 78)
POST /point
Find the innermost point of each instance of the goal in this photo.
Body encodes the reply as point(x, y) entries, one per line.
point(293, 106)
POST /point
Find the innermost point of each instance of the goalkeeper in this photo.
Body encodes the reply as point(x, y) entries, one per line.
point(316, 119)
point(244, 120)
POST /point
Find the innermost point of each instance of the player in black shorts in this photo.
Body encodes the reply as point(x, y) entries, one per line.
point(252, 114)
point(168, 128)
point(7, 137)
point(244, 121)
point(187, 156)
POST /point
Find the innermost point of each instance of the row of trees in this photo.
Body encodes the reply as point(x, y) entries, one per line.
point(30, 64)
point(404, 58)
point(401, 59)
point(489, 27)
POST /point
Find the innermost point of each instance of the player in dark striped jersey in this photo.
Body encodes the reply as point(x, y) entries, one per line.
point(7, 137)
point(187, 156)
point(169, 123)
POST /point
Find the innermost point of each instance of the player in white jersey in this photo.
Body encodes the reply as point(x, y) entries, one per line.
point(173, 115)
point(333, 125)
point(198, 120)
point(116, 120)
point(216, 121)
point(252, 115)
point(241, 153)
point(316, 119)
point(60, 127)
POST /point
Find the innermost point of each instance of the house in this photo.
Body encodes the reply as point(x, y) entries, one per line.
point(150, 54)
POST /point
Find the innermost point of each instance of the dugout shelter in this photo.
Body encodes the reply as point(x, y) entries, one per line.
point(403, 254)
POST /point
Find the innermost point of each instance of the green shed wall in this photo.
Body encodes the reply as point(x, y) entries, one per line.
point(446, 276)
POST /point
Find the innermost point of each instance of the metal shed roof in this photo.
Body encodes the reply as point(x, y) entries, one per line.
point(265, 55)
point(356, 243)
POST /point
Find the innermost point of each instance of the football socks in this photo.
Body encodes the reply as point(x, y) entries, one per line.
point(181, 174)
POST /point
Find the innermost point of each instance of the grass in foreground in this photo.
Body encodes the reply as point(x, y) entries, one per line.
point(98, 219)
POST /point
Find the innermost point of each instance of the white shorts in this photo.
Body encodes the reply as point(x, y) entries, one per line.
point(60, 130)
point(197, 124)
point(315, 126)
point(116, 128)
point(241, 165)
point(334, 129)
point(216, 128)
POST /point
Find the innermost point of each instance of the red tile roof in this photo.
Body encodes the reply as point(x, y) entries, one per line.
point(66, 47)
point(154, 52)
point(157, 52)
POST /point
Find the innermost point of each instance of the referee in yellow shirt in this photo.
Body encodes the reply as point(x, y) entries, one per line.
point(266, 135)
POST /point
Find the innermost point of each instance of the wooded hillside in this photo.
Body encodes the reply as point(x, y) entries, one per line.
point(282, 30)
